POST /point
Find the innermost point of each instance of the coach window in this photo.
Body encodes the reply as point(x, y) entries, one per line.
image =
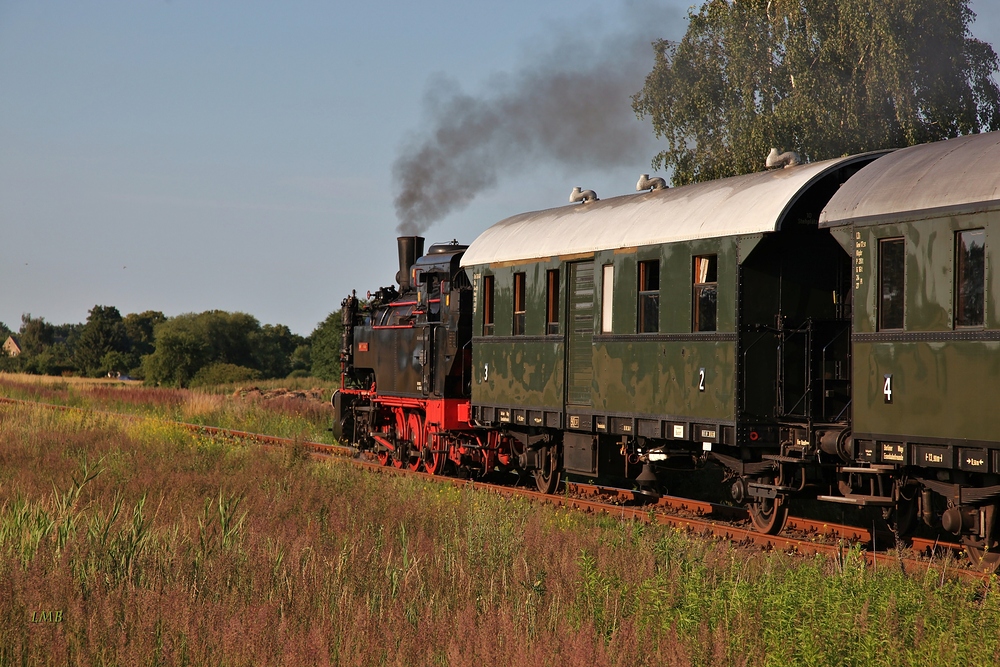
point(706, 289)
point(649, 296)
point(552, 303)
point(487, 305)
point(518, 325)
point(891, 273)
point(970, 278)
point(607, 297)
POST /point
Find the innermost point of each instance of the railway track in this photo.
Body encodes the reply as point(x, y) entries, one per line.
point(803, 536)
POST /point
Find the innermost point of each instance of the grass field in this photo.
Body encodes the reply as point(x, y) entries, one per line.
point(134, 542)
point(285, 417)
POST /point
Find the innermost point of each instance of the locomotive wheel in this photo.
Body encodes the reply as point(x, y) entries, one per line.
point(434, 458)
point(384, 457)
point(415, 434)
point(403, 455)
point(548, 476)
point(403, 450)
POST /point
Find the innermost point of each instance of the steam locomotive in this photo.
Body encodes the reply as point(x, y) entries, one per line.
point(827, 331)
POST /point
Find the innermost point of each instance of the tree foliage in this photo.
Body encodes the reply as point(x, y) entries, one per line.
point(103, 339)
point(325, 342)
point(822, 77)
point(139, 328)
point(36, 334)
point(273, 346)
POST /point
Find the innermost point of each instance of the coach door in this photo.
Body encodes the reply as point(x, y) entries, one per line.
point(580, 343)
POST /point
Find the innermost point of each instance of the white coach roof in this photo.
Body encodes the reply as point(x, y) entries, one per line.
point(957, 174)
point(747, 204)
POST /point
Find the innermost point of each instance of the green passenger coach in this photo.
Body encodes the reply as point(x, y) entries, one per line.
point(921, 226)
point(708, 318)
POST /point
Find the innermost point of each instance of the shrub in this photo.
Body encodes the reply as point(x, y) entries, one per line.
point(222, 373)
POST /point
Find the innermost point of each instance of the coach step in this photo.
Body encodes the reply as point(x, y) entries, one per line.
point(859, 501)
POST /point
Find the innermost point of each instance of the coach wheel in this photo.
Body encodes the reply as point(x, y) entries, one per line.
point(768, 514)
point(903, 517)
point(982, 557)
point(984, 552)
point(547, 476)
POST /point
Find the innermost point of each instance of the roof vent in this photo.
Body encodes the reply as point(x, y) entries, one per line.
point(586, 196)
point(786, 159)
point(647, 183)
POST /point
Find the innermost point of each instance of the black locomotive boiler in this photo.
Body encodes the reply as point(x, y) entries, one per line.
point(827, 331)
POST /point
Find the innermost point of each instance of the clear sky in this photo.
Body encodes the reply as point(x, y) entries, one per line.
point(187, 155)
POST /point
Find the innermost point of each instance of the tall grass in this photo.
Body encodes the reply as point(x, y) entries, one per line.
point(162, 547)
point(287, 417)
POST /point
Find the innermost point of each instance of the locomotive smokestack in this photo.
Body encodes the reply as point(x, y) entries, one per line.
point(411, 248)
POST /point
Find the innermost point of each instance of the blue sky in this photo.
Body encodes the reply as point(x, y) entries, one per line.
point(182, 156)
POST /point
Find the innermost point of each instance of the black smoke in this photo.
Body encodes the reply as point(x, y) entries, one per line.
point(572, 106)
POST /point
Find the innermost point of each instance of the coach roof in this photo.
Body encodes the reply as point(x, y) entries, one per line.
point(946, 177)
point(748, 204)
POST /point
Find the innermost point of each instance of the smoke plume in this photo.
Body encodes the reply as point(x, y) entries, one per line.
point(572, 107)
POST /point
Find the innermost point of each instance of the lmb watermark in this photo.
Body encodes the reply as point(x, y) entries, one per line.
point(55, 616)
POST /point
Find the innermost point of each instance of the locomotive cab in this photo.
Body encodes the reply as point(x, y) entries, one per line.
point(406, 358)
point(440, 284)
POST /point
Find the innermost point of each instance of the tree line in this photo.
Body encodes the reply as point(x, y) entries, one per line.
point(193, 349)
